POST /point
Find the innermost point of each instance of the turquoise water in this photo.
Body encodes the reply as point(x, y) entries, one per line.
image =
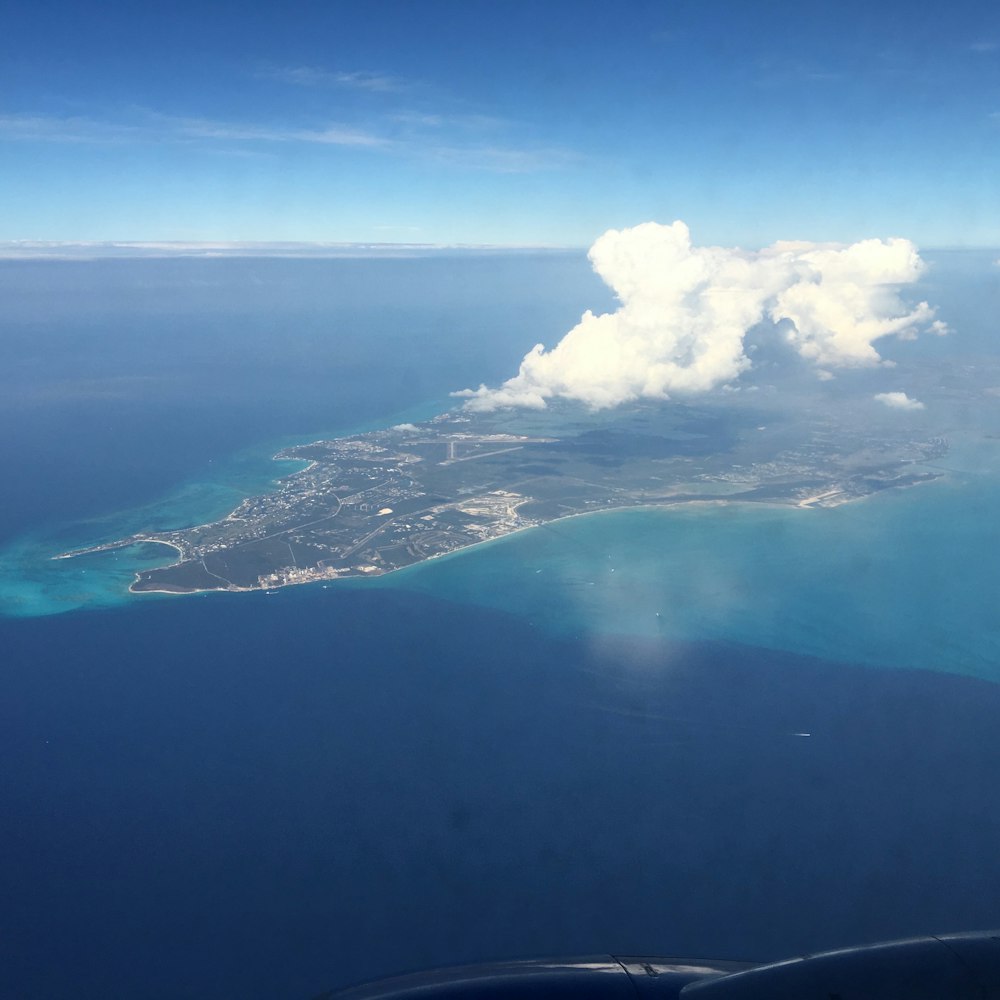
point(33, 584)
point(901, 579)
point(896, 580)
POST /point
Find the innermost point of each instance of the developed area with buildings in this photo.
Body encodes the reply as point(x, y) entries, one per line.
point(372, 503)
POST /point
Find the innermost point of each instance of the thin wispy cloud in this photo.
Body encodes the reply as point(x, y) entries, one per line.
point(482, 142)
point(465, 141)
point(469, 122)
point(75, 128)
point(985, 45)
point(771, 73)
point(330, 135)
point(154, 127)
point(315, 76)
point(505, 160)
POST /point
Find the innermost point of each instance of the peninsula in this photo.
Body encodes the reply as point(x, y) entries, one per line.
point(372, 503)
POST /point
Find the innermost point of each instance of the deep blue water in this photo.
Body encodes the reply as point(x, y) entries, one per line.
point(266, 796)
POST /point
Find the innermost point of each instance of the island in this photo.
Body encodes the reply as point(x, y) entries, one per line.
point(371, 503)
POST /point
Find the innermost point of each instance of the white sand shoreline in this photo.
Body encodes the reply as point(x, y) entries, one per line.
point(834, 498)
point(680, 504)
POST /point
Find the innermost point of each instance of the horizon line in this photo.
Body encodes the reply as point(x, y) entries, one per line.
point(104, 249)
point(296, 249)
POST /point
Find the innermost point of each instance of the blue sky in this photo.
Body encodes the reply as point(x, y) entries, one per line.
point(504, 122)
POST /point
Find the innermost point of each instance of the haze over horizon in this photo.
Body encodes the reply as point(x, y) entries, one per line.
point(521, 124)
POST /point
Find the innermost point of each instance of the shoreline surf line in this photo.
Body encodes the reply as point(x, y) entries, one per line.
point(790, 504)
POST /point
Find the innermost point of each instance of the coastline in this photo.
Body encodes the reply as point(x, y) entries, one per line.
point(234, 589)
point(821, 492)
point(809, 503)
point(123, 543)
point(157, 541)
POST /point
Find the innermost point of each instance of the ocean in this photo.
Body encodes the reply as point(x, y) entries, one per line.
point(587, 737)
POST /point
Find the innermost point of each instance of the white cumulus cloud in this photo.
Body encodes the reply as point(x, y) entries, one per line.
point(685, 312)
point(899, 401)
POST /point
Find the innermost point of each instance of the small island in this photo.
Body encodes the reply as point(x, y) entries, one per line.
point(372, 503)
